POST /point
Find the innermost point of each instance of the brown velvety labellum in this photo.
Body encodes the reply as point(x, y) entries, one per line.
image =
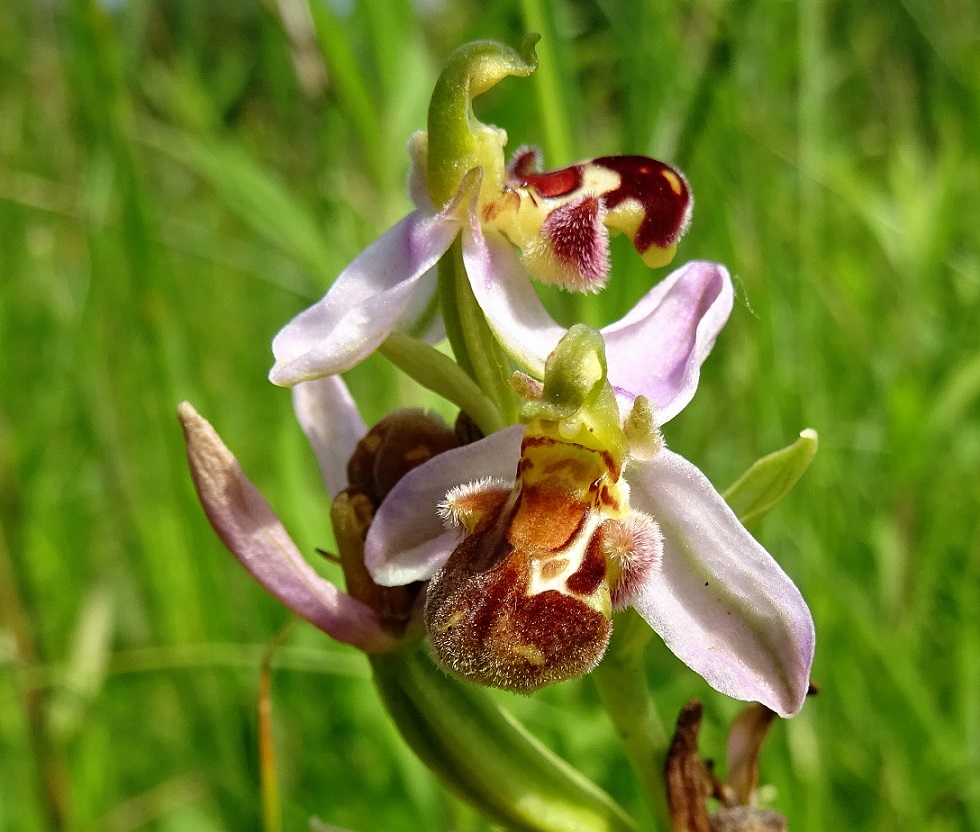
point(483, 625)
point(592, 572)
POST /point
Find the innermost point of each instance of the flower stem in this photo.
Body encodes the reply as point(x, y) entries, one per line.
point(473, 344)
point(621, 680)
point(450, 310)
point(440, 374)
point(485, 756)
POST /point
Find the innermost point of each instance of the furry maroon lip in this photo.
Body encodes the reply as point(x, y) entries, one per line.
point(660, 189)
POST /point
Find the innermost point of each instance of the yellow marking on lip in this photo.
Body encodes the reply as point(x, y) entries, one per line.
point(418, 455)
point(673, 180)
point(531, 654)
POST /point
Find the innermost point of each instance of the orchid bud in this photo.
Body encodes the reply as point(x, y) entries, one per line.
point(401, 441)
point(771, 478)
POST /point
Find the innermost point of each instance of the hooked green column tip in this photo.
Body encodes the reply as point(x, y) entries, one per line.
point(458, 142)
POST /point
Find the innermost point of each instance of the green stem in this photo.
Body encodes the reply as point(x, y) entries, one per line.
point(450, 310)
point(485, 756)
point(268, 776)
point(622, 683)
point(475, 348)
point(440, 374)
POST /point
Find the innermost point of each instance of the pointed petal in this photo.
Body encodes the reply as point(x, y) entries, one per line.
point(329, 417)
point(657, 349)
point(365, 302)
point(252, 532)
point(719, 600)
point(407, 540)
point(503, 289)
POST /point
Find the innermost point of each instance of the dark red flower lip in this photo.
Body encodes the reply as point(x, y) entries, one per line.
point(661, 191)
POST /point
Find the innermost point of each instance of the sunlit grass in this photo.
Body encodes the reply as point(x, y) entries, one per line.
point(177, 180)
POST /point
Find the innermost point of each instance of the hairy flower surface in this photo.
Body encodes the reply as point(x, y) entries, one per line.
point(561, 522)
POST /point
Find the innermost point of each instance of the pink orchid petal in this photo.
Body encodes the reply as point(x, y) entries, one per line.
point(365, 302)
point(329, 417)
point(657, 349)
point(505, 294)
point(252, 532)
point(719, 600)
point(407, 540)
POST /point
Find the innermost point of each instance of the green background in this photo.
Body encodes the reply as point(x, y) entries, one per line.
point(177, 179)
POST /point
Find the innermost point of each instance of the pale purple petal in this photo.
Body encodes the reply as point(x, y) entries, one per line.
point(329, 417)
point(657, 349)
point(252, 532)
point(407, 540)
point(365, 302)
point(503, 289)
point(719, 601)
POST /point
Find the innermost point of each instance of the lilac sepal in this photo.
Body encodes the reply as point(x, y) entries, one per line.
point(329, 417)
point(656, 350)
point(407, 540)
point(253, 534)
point(720, 602)
point(366, 301)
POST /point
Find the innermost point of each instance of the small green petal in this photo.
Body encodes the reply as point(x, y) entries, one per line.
point(769, 479)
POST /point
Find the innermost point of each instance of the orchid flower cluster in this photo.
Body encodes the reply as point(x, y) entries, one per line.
point(507, 548)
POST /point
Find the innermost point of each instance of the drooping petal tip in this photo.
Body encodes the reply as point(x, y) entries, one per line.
point(331, 421)
point(719, 601)
point(250, 529)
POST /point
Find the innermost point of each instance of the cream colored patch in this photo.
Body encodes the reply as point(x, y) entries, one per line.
point(598, 180)
point(544, 576)
point(529, 653)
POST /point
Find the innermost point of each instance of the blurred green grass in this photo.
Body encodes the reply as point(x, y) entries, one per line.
point(178, 179)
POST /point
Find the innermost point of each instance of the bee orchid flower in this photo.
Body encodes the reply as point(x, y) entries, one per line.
point(551, 526)
point(515, 222)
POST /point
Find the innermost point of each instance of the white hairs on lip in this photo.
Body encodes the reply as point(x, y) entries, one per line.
point(637, 544)
point(463, 500)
